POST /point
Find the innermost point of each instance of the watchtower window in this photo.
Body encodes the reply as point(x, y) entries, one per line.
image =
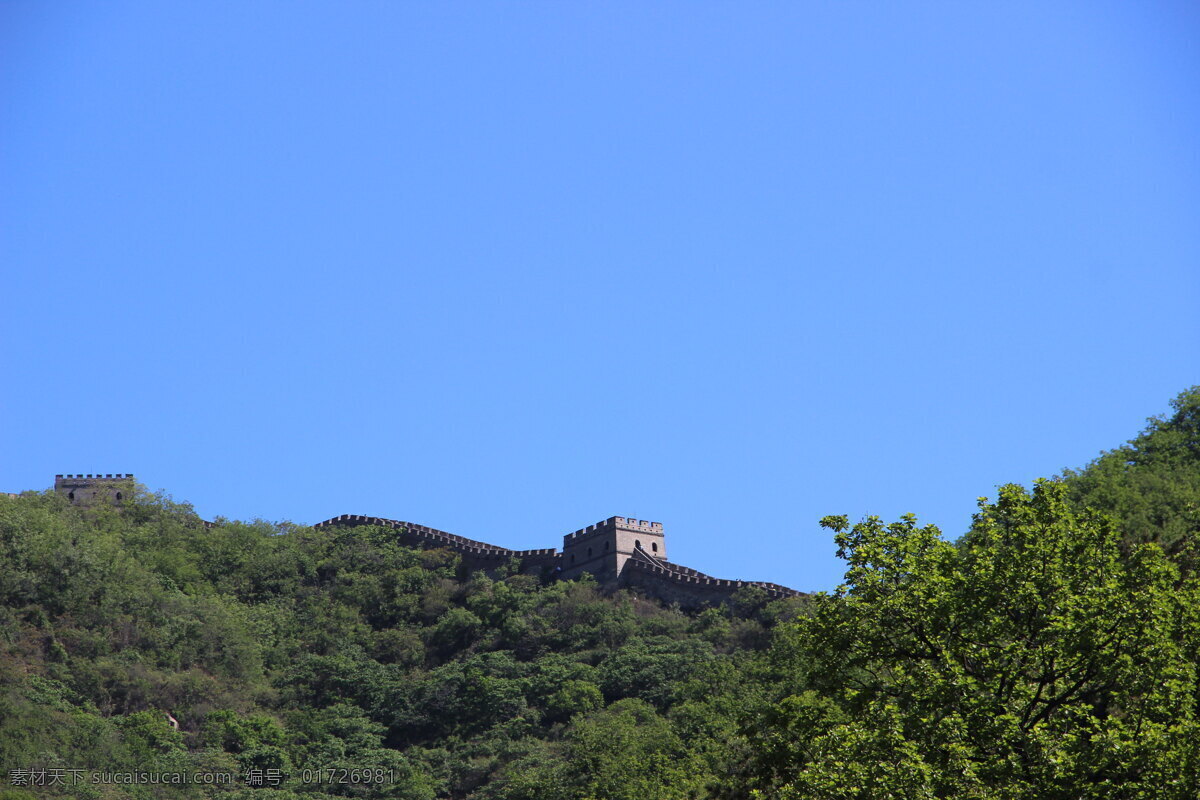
point(606, 546)
point(589, 552)
point(637, 543)
point(654, 546)
point(118, 495)
point(70, 495)
point(572, 558)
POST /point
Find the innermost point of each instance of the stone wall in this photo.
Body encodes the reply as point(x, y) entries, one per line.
point(475, 554)
point(619, 551)
point(87, 490)
point(603, 548)
point(690, 588)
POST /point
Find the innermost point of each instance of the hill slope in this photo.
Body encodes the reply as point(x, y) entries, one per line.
point(285, 648)
point(1151, 484)
point(1053, 652)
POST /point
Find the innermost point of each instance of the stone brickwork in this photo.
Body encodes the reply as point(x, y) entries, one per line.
point(475, 554)
point(619, 551)
point(602, 549)
point(88, 490)
point(675, 584)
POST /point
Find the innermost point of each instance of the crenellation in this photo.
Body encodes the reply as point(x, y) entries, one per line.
point(619, 551)
point(96, 477)
point(88, 489)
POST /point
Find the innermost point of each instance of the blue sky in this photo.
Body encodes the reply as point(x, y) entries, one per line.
point(507, 269)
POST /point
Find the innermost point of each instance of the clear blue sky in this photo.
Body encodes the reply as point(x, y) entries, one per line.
point(509, 268)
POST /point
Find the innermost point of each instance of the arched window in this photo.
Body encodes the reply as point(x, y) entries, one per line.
point(118, 495)
point(654, 546)
point(70, 495)
point(637, 543)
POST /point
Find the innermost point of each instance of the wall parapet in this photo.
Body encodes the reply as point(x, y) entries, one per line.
point(642, 569)
point(665, 571)
point(624, 523)
point(97, 477)
point(423, 535)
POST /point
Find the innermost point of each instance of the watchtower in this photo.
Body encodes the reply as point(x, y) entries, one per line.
point(90, 490)
point(602, 549)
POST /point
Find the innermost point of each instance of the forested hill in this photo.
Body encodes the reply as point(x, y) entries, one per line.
point(1151, 484)
point(1051, 653)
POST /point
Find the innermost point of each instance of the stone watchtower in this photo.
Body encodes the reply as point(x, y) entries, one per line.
point(90, 490)
point(602, 549)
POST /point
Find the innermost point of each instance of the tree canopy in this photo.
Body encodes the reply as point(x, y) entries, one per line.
point(1050, 652)
point(1036, 659)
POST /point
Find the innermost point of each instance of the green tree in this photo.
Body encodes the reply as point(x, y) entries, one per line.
point(628, 752)
point(574, 697)
point(1151, 484)
point(651, 669)
point(1034, 660)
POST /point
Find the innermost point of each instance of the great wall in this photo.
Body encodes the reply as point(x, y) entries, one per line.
point(621, 552)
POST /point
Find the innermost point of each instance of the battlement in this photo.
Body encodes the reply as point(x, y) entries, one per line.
point(625, 523)
point(422, 531)
point(603, 548)
point(637, 524)
point(619, 551)
point(96, 477)
point(89, 489)
point(475, 554)
point(674, 583)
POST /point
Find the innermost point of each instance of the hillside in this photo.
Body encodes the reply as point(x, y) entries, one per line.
point(1151, 484)
point(1051, 653)
point(289, 648)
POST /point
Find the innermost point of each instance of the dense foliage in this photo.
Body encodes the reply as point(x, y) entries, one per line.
point(1151, 484)
point(1052, 652)
point(286, 648)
